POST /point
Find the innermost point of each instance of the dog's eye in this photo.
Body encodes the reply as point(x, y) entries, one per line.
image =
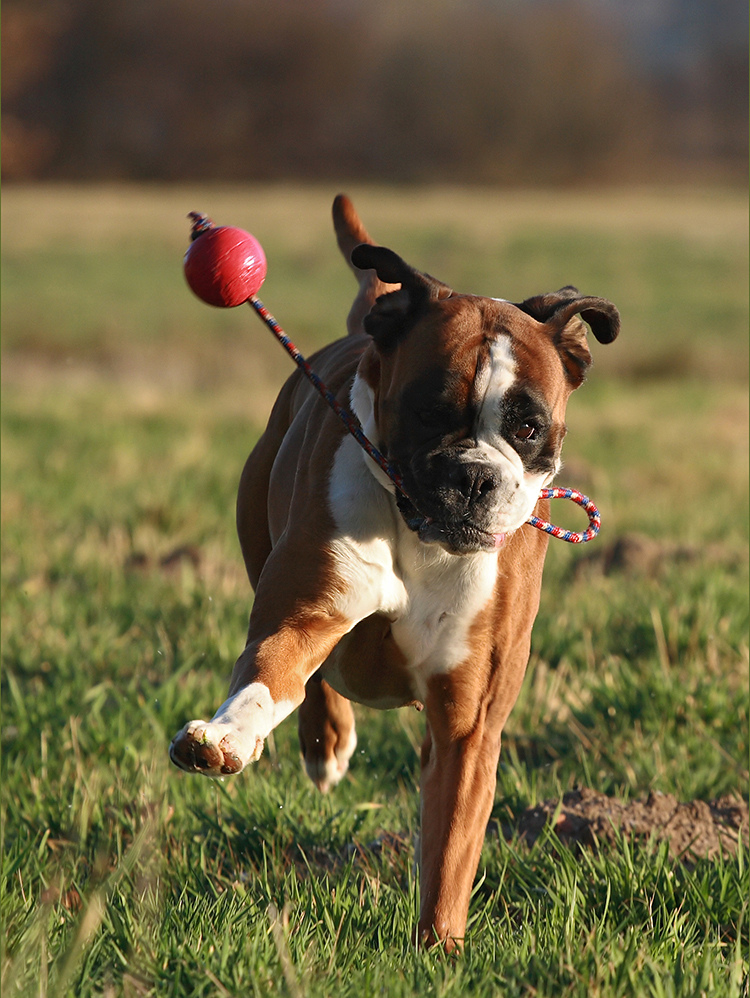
point(526, 432)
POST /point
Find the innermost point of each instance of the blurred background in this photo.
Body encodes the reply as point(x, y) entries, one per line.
point(513, 92)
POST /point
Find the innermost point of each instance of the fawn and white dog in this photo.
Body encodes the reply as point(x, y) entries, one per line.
point(361, 596)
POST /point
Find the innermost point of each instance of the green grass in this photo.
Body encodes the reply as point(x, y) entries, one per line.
point(128, 410)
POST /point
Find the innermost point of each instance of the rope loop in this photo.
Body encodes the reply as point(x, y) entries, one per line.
point(595, 520)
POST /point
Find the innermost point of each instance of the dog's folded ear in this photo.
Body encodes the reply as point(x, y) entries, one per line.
point(393, 314)
point(560, 310)
point(389, 266)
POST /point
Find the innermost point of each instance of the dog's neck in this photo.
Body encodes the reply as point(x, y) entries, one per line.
point(362, 403)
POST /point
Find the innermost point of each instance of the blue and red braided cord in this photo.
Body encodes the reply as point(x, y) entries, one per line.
point(346, 417)
point(352, 425)
point(595, 520)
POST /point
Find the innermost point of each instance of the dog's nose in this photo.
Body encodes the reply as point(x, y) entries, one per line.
point(476, 482)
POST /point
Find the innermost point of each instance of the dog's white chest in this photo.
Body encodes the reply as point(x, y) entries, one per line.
point(445, 594)
point(431, 596)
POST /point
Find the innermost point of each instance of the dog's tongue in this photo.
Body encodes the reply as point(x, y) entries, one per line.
point(499, 539)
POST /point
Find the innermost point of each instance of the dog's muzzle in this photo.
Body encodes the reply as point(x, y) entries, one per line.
point(456, 507)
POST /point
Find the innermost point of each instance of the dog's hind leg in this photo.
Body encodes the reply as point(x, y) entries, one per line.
point(350, 232)
point(327, 736)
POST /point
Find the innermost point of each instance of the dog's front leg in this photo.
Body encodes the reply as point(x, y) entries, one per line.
point(268, 682)
point(459, 773)
point(290, 635)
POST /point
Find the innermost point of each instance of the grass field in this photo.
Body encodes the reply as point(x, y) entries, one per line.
point(128, 410)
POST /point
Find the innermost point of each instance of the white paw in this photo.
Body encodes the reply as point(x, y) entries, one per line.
point(233, 738)
point(210, 749)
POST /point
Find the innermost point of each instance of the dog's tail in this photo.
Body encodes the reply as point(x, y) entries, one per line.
point(350, 232)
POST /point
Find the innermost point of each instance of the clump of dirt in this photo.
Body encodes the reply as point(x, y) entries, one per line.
point(584, 818)
point(637, 554)
point(693, 830)
point(186, 554)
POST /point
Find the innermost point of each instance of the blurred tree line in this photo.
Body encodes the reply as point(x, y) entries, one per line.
point(533, 92)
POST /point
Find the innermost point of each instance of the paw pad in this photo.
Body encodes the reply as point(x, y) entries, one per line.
point(196, 751)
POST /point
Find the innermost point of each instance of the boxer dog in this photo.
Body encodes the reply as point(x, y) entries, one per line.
point(364, 595)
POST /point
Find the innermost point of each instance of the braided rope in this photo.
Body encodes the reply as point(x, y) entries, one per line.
point(353, 426)
point(349, 420)
point(595, 520)
point(200, 223)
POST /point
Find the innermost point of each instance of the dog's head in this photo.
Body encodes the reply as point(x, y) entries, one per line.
point(468, 396)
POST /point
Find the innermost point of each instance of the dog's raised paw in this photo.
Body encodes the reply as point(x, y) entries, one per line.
point(209, 749)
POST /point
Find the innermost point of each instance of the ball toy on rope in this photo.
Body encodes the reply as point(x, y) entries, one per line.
point(224, 266)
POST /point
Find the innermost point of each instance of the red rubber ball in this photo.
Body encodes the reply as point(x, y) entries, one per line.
point(225, 266)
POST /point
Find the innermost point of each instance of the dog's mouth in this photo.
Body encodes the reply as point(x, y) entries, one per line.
point(459, 537)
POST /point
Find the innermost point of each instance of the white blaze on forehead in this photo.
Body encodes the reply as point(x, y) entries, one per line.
point(519, 491)
point(495, 380)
